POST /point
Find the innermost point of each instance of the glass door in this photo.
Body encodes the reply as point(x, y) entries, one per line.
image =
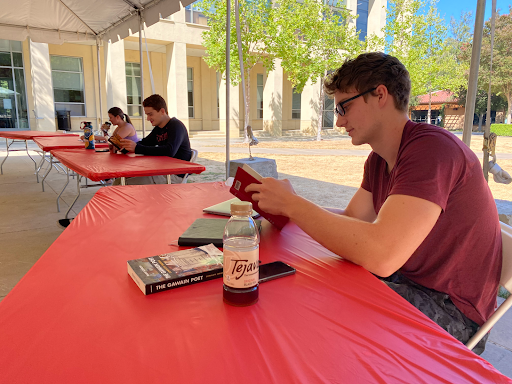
point(13, 100)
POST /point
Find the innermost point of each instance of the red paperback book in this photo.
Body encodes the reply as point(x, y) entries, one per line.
point(245, 176)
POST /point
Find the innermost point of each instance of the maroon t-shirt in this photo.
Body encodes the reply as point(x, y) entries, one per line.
point(461, 256)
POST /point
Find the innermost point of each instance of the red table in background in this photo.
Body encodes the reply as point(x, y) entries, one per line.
point(77, 317)
point(49, 143)
point(24, 136)
point(98, 166)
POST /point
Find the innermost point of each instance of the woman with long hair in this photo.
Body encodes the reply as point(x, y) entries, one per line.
point(124, 127)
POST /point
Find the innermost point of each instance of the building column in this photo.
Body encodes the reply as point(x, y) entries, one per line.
point(236, 121)
point(177, 98)
point(206, 90)
point(376, 16)
point(310, 107)
point(42, 88)
point(273, 101)
point(115, 75)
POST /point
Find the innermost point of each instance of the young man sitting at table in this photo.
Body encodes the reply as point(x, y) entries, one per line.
point(423, 220)
point(169, 137)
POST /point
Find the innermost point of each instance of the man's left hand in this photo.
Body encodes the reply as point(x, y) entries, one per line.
point(129, 145)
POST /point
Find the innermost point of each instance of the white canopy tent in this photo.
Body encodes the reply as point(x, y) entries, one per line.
point(59, 21)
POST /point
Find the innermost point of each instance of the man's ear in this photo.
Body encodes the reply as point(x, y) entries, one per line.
point(382, 94)
point(162, 110)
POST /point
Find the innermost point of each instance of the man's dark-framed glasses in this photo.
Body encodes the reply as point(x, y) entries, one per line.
point(340, 111)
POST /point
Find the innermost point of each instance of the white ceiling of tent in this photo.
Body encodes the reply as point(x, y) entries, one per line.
point(57, 21)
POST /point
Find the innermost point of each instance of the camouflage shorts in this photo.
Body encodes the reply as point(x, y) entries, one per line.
point(438, 307)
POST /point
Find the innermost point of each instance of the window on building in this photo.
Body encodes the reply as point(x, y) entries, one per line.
point(13, 95)
point(259, 96)
point(328, 115)
point(133, 89)
point(296, 104)
point(68, 84)
point(194, 15)
point(190, 91)
point(362, 20)
point(336, 7)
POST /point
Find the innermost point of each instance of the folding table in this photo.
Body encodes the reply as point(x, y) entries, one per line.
point(77, 316)
point(49, 143)
point(98, 166)
point(24, 136)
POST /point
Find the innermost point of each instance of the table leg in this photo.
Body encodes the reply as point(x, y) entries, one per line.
point(168, 179)
point(40, 166)
point(48, 171)
point(31, 158)
point(7, 149)
point(123, 180)
point(61, 192)
point(78, 177)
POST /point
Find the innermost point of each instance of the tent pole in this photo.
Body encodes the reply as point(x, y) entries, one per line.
point(242, 74)
point(473, 73)
point(141, 74)
point(228, 43)
point(99, 119)
point(487, 130)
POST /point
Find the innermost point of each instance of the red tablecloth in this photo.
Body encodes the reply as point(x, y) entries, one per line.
point(77, 317)
point(104, 165)
point(63, 142)
point(28, 135)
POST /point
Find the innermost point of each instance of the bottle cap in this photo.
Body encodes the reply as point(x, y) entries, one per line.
point(241, 208)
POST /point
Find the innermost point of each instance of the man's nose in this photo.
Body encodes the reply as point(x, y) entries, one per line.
point(341, 121)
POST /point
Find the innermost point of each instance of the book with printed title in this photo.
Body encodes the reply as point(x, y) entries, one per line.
point(176, 269)
point(244, 176)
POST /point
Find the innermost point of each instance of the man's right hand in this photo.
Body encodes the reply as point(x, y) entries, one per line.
point(273, 196)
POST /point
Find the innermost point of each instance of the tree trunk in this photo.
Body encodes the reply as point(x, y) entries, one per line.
point(509, 109)
point(480, 119)
point(247, 103)
point(321, 110)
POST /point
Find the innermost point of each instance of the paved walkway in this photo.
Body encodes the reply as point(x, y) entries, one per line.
point(29, 225)
point(218, 146)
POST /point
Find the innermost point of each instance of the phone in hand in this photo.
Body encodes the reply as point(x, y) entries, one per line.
point(274, 270)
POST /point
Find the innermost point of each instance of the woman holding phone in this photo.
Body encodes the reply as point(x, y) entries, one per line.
point(124, 128)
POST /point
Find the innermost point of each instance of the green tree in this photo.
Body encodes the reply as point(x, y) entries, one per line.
point(311, 39)
point(417, 36)
point(255, 20)
point(502, 58)
point(498, 103)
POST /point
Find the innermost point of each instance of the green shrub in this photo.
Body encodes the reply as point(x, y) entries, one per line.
point(502, 129)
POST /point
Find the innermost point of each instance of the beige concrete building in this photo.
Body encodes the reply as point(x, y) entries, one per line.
point(40, 80)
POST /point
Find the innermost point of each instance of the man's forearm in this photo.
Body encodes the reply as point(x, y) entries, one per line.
point(337, 211)
point(350, 238)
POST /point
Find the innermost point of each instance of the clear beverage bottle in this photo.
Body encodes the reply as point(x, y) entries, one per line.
point(241, 256)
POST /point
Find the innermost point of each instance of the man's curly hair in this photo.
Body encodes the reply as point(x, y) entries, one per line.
point(369, 70)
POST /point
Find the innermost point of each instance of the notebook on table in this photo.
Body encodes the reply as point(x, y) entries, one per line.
point(224, 208)
point(206, 231)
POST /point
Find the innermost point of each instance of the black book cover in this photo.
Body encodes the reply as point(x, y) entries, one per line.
point(206, 231)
